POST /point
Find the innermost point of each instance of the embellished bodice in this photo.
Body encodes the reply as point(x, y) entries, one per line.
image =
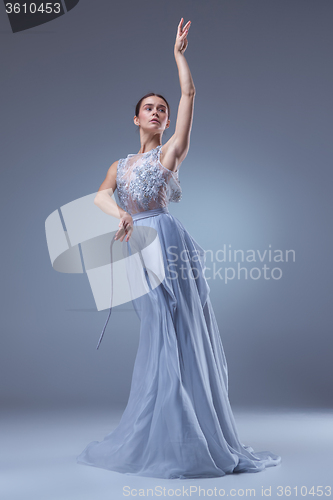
point(143, 183)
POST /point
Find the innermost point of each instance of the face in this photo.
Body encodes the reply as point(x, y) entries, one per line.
point(153, 114)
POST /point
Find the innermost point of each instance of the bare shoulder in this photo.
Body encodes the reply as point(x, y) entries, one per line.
point(169, 155)
point(110, 180)
point(113, 169)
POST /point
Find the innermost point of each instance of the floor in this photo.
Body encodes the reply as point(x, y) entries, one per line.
point(38, 450)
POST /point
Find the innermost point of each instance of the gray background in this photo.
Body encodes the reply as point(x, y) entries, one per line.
point(258, 172)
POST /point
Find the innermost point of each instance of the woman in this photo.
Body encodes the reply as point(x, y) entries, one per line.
point(178, 422)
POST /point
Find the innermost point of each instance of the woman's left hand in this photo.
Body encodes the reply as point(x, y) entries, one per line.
point(181, 40)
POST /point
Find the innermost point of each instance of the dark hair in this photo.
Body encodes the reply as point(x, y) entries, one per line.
point(137, 107)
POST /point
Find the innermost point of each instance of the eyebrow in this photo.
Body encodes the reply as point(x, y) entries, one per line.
point(150, 104)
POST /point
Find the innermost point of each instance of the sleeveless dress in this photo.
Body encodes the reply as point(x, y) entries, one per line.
point(178, 422)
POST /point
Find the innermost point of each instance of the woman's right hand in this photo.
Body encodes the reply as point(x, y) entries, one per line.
point(125, 227)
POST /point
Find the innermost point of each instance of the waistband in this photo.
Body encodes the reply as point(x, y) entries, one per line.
point(150, 213)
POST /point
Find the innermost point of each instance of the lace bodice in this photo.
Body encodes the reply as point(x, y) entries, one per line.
point(143, 183)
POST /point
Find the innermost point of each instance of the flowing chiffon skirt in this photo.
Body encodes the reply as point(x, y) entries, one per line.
point(178, 422)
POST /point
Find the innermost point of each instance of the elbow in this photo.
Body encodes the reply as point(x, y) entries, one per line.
point(189, 93)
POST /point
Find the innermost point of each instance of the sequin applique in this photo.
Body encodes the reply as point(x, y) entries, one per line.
point(143, 183)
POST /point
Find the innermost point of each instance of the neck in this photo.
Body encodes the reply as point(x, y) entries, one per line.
point(149, 143)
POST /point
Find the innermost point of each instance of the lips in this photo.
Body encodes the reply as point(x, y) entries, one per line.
point(154, 120)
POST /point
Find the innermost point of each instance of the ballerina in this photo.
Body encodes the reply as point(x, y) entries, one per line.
point(178, 422)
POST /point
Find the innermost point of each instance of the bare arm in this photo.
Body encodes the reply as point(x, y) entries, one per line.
point(104, 201)
point(179, 143)
point(103, 198)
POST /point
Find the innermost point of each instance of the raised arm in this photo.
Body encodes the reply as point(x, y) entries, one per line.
point(179, 143)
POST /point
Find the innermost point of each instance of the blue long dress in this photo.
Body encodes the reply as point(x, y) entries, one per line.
point(178, 422)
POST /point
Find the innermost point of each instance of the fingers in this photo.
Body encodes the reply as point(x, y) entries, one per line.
point(183, 35)
point(181, 22)
point(123, 224)
point(120, 237)
point(125, 228)
point(129, 231)
point(124, 231)
point(120, 234)
point(187, 25)
point(128, 235)
point(180, 29)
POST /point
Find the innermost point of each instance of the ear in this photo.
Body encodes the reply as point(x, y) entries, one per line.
point(136, 120)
